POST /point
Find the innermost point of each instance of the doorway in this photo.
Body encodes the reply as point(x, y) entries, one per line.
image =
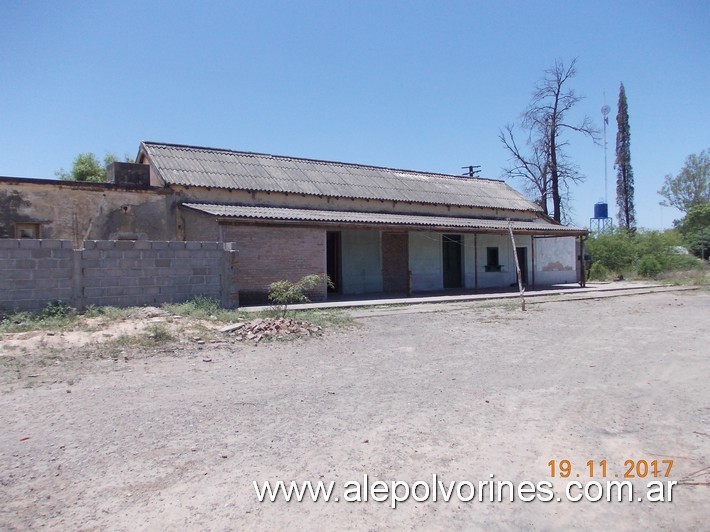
point(333, 261)
point(452, 255)
point(523, 263)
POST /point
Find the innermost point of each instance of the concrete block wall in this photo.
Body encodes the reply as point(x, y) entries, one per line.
point(114, 273)
point(34, 272)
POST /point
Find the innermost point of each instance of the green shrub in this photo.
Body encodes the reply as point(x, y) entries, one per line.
point(641, 252)
point(207, 305)
point(285, 293)
point(159, 334)
point(598, 272)
point(614, 250)
point(196, 307)
point(649, 266)
point(685, 262)
point(699, 244)
point(57, 309)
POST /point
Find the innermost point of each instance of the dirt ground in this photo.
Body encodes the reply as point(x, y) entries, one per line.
point(173, 437)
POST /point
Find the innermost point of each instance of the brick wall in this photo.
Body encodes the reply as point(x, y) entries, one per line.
point(268, 254)
point(395, 262)
point(114, 272)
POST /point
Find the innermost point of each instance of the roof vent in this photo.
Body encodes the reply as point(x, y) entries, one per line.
point(128, 174)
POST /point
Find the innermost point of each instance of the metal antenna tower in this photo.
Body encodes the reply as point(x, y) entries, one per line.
point(605, 112)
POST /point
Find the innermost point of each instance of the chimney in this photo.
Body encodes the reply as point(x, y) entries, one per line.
point(128, 174)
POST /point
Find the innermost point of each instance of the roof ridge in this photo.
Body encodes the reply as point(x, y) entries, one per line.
point(321, 161)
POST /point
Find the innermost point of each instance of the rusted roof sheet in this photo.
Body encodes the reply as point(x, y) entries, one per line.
point(537, 226)
point(207, 167)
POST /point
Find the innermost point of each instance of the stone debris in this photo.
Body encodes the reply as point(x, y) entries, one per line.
point(260, 328)
point(233, 327)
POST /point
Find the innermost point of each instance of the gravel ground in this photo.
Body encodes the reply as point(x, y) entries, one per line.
point(174, 438)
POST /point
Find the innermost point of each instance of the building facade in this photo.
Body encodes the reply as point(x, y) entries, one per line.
point(371, 229)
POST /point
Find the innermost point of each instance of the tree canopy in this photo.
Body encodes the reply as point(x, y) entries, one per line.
point(624, 171)
point(86, 167)
point(695, 227)
point(691, 186)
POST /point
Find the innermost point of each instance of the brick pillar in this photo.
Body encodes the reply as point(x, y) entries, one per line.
point(395, 262)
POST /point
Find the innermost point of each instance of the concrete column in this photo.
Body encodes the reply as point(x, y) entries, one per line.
point(78, 279)
point(228, 277)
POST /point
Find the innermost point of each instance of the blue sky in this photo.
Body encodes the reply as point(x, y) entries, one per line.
point(407, 84)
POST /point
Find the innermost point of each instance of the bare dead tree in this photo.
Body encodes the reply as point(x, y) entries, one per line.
point(530, 168)
point(546, 168)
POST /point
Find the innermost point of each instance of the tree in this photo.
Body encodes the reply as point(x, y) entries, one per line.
point(530, 169)
point(86, 167)
point(547, 170)
point(624, 171)
point(691, 186)
point(695, 228)
point(697, 219)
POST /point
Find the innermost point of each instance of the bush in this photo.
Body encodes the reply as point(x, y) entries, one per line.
point(285, 293)
point(613, 250)
point(649, 266)
point(204, 304)
point(642, 252)
point(598, 272)
point(56, 309)
point(159, 334)
point(196, 307)
point(699, 244)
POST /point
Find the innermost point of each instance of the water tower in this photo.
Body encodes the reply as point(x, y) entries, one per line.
point(601, 221)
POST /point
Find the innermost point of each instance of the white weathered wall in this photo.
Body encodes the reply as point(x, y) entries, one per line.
point(555, 260)
point(67, 210)
point(523, 241)
point(361, 262)
point(425, 261)
point(469, 260)
point(505, 258)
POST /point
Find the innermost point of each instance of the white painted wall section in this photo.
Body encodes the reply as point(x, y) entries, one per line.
point(361, 262)
point(555, 260)
point(426, 261)
point(469, 260)
point(505, 257)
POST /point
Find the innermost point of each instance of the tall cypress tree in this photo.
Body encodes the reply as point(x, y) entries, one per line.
point(624, 172)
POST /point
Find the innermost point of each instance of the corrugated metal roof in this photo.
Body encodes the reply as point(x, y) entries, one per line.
point(207, 167)
point(538, 226)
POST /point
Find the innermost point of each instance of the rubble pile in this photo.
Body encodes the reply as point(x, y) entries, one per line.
point(258, 329)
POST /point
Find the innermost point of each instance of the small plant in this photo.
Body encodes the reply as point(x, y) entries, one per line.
point(208, 305)
point(111, 313)
point(56, 315)
point(197, 307)
point(285, 293)
point(57, 309)
point(159, 334)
